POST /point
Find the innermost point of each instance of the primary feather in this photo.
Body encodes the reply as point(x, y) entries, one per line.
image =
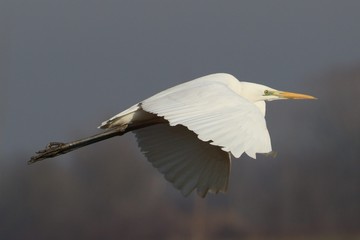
point(185, 160)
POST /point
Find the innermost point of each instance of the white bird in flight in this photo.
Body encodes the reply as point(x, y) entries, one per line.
point(189, 132)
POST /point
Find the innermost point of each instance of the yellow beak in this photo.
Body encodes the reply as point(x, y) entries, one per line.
point(291, 95)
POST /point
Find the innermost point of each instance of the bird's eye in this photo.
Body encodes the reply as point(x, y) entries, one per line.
point(266, 92)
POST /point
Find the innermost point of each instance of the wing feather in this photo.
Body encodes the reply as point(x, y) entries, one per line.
point(187, 162)
point(216, 113)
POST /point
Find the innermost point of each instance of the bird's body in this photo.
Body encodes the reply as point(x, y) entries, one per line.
point(208, 106)
point(190, 131)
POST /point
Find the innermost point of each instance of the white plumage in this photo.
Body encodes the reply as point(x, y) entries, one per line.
point(215, 112)
point(198, 124)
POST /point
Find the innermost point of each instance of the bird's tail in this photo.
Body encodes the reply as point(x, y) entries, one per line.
point(54, 149)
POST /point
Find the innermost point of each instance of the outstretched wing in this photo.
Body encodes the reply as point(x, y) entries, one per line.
point(216, 113)
point(186, 161)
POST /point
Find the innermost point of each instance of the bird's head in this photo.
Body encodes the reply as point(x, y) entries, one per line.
point(257, 92)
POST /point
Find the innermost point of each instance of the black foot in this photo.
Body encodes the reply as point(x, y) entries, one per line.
point(52, 149)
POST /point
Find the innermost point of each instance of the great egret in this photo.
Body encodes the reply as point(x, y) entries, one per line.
point(188, 132)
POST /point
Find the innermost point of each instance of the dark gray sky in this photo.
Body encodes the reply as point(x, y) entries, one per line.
point(68, 65)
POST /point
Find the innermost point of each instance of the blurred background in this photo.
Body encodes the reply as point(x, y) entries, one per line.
point(65, 66)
